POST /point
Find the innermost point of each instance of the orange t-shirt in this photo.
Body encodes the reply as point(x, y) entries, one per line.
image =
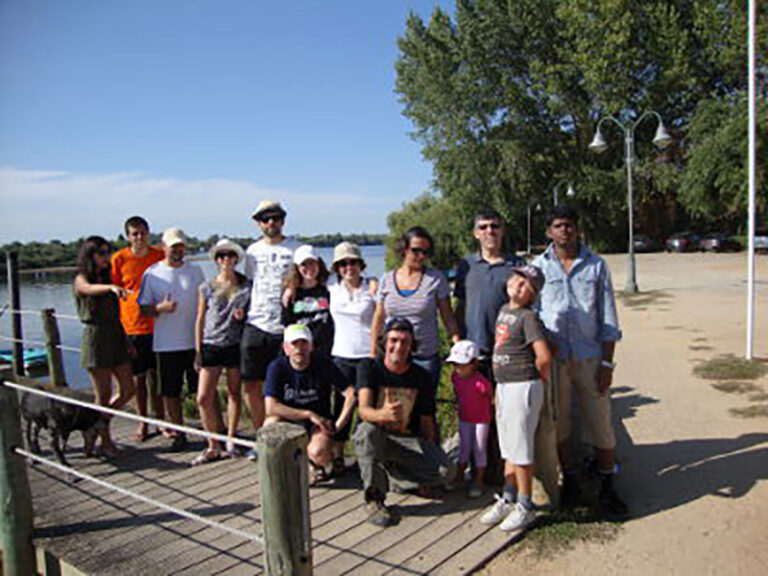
point(127, 271)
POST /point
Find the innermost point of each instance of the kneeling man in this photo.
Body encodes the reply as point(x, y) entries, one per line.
point(397, 434)
point(298, 388)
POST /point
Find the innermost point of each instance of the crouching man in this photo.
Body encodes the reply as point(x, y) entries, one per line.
point(298, 388)
point(396, 436)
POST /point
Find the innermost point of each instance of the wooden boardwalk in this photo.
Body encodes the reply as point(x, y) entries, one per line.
point(97, 531)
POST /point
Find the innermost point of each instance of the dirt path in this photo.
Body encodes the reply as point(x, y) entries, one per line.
point(695, 476)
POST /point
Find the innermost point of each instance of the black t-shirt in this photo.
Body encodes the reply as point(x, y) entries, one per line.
point(309, 389)
point(374, 375)
point(311, 307)
point(513, 357)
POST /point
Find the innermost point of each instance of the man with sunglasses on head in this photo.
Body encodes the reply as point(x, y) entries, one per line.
point(267, 262)
point(481, 285)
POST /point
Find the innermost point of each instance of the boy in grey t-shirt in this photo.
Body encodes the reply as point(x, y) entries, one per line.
point(521, 361)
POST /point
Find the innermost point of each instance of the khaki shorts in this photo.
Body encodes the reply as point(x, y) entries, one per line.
point(581, 376)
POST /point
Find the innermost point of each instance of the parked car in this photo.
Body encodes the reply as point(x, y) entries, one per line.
point(683, 242)
point(761, 241)
point(718, 242)
point(644, 243)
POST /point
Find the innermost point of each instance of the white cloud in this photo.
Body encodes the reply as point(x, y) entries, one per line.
point(43, 205)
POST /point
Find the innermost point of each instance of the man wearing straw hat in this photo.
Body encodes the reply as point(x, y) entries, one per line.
point(267, 262)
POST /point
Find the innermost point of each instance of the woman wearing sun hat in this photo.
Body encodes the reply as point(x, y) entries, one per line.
point(222, 303)
point(352, 306)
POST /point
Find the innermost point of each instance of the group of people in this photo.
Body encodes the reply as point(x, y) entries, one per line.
point(307, 344)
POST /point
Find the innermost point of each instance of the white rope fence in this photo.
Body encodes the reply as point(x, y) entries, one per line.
point(150, 501)
point(119, 413)
point(37, 314)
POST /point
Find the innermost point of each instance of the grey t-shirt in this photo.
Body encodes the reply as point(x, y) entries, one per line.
point(221, 328)
point(420, 307)
point(513, 357)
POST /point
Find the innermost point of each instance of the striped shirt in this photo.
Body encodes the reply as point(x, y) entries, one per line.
point(420, 307)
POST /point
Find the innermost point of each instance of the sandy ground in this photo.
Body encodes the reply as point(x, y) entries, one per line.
point(694, 475)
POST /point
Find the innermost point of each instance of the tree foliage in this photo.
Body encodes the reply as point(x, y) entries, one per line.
point(504, 99)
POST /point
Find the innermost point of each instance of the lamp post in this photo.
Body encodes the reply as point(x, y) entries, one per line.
point(570, 192)
point(662, 139)
point(538, 207)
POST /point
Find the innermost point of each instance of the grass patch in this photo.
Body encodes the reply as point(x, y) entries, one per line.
point(758, 397)
point(729, 367)
point(731, 387)
point(757, 411)
point(564, 529)
point(635, 299)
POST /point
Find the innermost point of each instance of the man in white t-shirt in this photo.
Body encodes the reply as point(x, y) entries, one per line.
point(267, 262)
point(169, 294)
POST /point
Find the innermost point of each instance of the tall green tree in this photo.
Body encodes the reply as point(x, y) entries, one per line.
point(504, 97)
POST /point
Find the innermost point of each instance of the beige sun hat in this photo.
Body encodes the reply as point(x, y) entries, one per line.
point(173, 236)
point(268, 206)
point(226, 245)
point(347, 250)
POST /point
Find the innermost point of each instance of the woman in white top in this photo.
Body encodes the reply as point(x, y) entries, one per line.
point(352, 306)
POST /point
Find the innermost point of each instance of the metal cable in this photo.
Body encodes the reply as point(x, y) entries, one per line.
point(150, 501)
point(160, 423)
point(39, 343)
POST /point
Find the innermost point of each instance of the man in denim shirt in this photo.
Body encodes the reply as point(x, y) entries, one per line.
point(578, 309)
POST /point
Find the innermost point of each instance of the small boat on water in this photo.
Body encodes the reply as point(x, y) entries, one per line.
point(33, 357)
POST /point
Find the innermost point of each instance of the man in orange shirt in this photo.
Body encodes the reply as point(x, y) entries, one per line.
point(128, 266)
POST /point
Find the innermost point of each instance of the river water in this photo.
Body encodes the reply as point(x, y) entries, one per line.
point(55, 291)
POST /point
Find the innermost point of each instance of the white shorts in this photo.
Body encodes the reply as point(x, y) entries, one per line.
point(518, 405)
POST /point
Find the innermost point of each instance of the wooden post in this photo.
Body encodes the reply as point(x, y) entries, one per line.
point(52, 350)
point(12, 261)
point(15, 495)
point(282, 449)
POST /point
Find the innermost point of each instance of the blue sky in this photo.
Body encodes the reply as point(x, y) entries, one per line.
point(190, 112)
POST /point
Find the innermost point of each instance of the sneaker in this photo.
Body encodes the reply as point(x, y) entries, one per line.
point(497, 512)
point(474, 491)
point(610, 503)
point(252, 455)
point(379, 514)
point(179, 442)
point(519, 518)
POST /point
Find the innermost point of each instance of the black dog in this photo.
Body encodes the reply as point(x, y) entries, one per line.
point(60, 419)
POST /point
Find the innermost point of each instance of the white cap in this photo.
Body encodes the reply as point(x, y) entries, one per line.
point(305, 252)
point(297, 332)
point(463, 352)
point(174, 236)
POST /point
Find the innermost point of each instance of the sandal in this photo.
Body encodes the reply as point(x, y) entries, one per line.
point(317, 474)
point(338, 467)
point(206, 456)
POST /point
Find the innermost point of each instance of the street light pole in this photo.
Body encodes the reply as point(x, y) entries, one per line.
point(598, 144)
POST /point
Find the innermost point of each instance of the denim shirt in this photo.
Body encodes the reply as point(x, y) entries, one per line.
point(578, 308)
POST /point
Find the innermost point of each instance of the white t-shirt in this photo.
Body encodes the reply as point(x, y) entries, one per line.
point(352, 315)
point(266, 266)
point(174, 331)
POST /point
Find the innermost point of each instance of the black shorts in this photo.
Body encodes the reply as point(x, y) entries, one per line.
point(220, 356)
point(348, 367)
point(172, 368)
point(257, 350)
point(145, 358)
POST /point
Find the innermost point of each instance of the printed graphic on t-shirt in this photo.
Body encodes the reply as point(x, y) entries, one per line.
point(406, 397)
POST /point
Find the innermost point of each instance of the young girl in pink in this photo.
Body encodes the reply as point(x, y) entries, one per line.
point(474, 393)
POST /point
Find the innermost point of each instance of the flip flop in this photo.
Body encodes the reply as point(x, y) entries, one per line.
point(317, 475)
point(206, 456)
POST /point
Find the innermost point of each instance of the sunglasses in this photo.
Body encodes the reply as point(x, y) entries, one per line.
point(492, 226)
point(222, 255)
point(420, 251)
point(351, 262)
point(266, 218)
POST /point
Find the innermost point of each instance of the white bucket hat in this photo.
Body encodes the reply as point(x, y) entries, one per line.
point(226, 245)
